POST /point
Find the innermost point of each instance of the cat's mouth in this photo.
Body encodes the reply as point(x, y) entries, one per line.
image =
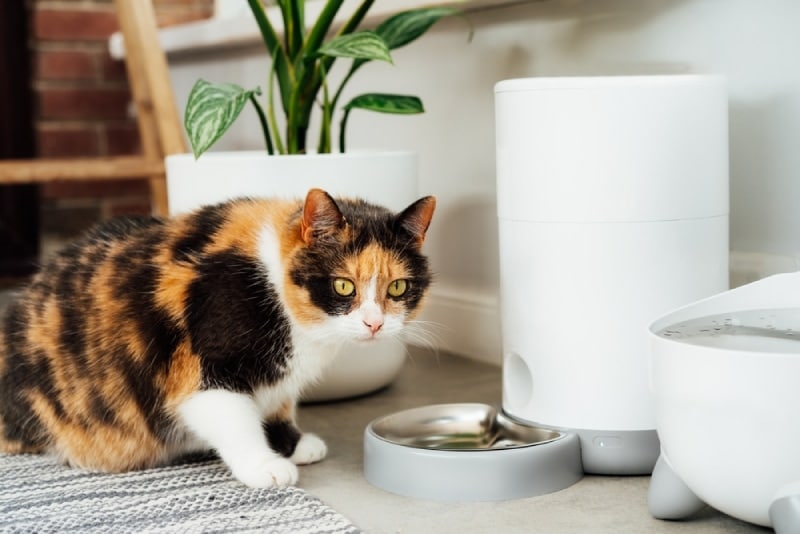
point(367, 336)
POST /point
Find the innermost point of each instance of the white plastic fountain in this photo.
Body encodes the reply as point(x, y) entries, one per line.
point(726, 377)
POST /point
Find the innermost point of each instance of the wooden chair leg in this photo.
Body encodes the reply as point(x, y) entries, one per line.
point(148, 74)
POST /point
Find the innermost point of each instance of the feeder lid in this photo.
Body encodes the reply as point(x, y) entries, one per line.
point(610, 149)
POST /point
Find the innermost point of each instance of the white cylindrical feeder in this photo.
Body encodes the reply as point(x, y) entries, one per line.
point(612, 197)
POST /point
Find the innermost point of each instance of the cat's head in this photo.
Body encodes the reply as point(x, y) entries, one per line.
point(358, 273)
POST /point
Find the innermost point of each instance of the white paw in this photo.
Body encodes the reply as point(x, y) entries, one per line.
point(270, 472)
point(309, 449)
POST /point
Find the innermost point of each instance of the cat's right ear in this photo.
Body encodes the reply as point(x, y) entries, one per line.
point(321, 217)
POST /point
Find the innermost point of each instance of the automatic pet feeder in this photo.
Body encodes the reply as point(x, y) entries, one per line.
point(612, 197)
point(725, 372)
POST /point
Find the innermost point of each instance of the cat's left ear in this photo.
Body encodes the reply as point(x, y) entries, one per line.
point(416, 218)
point(321, 217)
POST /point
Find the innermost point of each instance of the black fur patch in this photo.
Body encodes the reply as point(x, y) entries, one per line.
point(204, 224)
point(22, 373)
point(237, 324)
point(317, 263)
point(136, 290)
point(283, 436)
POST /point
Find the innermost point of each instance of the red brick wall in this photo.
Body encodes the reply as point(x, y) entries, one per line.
point(82, 97)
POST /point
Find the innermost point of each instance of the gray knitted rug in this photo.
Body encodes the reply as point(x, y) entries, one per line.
point(37, 495)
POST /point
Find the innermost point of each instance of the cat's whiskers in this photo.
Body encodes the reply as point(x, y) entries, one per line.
point(423, 333)
point(430, 330)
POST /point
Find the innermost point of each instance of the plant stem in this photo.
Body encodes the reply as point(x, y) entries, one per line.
point(272, 43)
point(271, 110)
point(321, 26)
point(267, 31)
point(342, 129)
point(324, 145)
point(263, 119)
point(353, 69)
point(294, 39)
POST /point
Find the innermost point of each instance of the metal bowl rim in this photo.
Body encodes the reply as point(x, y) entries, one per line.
point(498, 413)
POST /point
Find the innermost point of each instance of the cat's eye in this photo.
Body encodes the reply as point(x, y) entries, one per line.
point(397, 288)
point(344, 287)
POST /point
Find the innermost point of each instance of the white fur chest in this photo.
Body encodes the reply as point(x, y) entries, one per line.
point(310, 355)
point(304, 368)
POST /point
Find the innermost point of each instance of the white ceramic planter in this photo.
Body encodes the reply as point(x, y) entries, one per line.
point(386, 178)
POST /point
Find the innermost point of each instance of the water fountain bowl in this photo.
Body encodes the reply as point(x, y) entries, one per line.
point(726, 378)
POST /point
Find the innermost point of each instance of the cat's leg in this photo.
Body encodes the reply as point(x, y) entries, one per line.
point(285, 437)
point(231, 424)
point(300, 448)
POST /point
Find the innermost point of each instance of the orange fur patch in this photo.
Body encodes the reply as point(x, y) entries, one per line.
point(108, 321)
point(298, 301)
point(44, 326)
point(173, 289)
point(372, 261)
point(100, 447)
point(114, 390)
point(245, 221)
point(286, 412)
point(15, 447)
point(183, 377)
point(290, 236)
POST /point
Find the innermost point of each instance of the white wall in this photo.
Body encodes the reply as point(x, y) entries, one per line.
point(753, 43)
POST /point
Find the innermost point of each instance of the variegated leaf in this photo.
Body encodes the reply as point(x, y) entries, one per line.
point(359, 45)
point(210, 111)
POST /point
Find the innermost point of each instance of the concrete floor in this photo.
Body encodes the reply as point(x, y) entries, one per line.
point(593, 505)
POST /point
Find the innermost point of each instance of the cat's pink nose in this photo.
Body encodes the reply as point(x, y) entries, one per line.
point(374, 325)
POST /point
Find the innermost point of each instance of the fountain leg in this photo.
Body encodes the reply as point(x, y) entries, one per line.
point(669, 497)
point(784, 513)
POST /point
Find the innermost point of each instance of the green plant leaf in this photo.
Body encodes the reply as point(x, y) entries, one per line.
point(294, 14)
point(359, 45)
point(402, 28)
point(382, 103)
point(211, 110)
point(387, 103)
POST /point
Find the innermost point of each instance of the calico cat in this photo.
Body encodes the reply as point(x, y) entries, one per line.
point(151, 338)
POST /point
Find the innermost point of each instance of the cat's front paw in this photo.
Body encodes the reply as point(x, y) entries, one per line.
point(309, 449)
point(268, 473)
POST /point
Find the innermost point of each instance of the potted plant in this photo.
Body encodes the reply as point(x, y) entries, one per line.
point(299, 86)
point(300, 65)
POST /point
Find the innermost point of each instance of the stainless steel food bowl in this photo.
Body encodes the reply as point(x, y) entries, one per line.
point(467, 452)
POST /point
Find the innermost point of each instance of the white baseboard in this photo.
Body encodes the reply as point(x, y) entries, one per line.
point(746, 267)
point(466, 319)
